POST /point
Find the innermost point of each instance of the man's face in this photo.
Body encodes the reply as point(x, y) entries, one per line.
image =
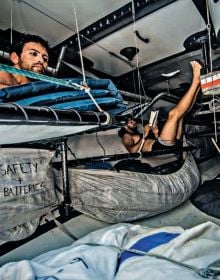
point(132, 124)
point(34, 57)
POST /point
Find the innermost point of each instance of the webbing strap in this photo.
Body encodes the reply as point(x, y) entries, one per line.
point(65, 229)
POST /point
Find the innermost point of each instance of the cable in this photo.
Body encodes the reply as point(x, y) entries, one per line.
point(137, 61)
point(100, 144)
point(82, 36)
point(79, 44)
point(11, 34)
point(211, 67)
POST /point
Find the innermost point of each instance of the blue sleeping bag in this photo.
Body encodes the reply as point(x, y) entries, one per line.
point(61, 97)
point(11, 94)
point(87, 104)
point(40, 93)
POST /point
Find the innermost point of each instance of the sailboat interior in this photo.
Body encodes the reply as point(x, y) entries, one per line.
point(75, 202)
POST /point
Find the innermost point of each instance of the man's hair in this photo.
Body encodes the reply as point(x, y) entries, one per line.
point(121, 132)
point(26, 38)
point(128, 118)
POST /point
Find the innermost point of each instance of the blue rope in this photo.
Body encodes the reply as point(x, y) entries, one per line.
point(37, 76)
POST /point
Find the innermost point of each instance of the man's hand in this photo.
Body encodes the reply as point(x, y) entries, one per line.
point(196, 68)
point(155, 130)
point(147, 129)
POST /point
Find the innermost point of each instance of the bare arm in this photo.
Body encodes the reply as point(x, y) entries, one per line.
point(129, 143)
point(134, 142)
point(155, 130)
point(6, 80)
point(146, 129)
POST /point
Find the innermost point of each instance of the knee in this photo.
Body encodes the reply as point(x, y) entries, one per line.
point(174, 115)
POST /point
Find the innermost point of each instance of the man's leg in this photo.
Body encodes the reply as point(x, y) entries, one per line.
point(173, 125)
point(180, 123)
point(179, 131)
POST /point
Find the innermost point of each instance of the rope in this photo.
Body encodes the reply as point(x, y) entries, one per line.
point(137, 65)
point(87, 89)
point(211, 67)
point(79, 45)
point(11, 34)
point(141, 146)
point(63, 228)
point(203, 273)
point(41, 77)
point(82, 36)
point(215, 144)
point(66, 83)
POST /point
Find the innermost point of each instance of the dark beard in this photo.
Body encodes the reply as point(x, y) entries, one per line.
point(134, 130)
point(30, 68)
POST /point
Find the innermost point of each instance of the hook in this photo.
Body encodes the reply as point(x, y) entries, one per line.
point(145, 40)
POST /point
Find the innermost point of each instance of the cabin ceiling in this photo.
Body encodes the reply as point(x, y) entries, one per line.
point(54, 19)
point(167, 33)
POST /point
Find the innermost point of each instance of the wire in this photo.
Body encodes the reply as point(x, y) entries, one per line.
point(82, 36)
point(206, 272)
point(79, 44)
point(87, 89)
point(140, 82)
point(100, 144)
point(11, 34)
point(47, 15)
point(211, 67)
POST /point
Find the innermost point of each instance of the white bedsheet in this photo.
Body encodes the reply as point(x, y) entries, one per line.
point(96, 256)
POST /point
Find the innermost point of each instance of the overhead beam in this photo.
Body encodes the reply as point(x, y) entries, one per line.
point(116, 20)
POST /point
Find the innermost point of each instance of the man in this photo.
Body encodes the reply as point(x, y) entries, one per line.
point(31, 54)
point(172, 129)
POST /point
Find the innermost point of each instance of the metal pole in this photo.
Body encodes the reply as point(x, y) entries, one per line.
point(60, 58)
point(205, 56)
point(65, 177)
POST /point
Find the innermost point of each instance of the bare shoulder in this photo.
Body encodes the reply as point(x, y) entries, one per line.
point(128, 141)
point(127, 138)
point(6, 80)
